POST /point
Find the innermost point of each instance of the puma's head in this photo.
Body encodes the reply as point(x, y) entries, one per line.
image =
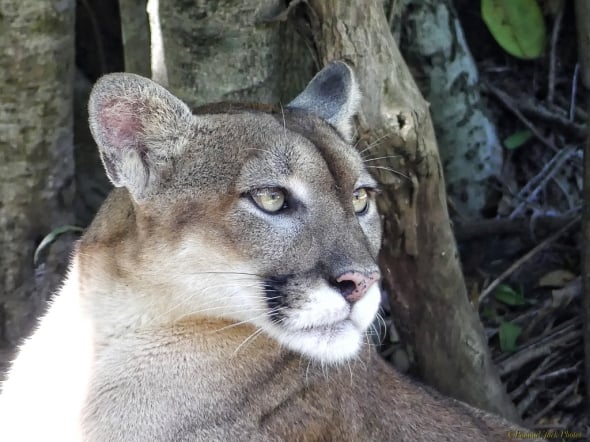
point(263, 217)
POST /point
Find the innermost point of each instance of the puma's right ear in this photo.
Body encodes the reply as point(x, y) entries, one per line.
point(333, 94)
point(138, 126)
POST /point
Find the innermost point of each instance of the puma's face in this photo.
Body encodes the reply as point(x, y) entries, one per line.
point(263, 218)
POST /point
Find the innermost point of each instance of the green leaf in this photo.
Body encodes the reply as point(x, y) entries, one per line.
point(517, 26)
point(517, 139)
point(489, 313)
point(509, 333)
point(506, 294)
point(52, 236)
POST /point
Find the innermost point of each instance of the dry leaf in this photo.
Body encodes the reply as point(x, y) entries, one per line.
point(562, 297)
point(556, 278)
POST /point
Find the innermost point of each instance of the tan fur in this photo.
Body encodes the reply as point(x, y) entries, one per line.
point(191, 315)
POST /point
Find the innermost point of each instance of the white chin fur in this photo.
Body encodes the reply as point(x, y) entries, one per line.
point(325, 328)
point(331, 344)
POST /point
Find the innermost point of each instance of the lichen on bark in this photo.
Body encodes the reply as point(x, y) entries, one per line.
point(36, 164)
point(225, 51)
point(433, 44)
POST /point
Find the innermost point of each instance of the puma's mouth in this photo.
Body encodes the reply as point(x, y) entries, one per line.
point(319, 322)
point(327, 328)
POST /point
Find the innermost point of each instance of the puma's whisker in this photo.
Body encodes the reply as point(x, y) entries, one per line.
point(375, 143)
point(250, 338)
point(204, 292)
point(350, 370)
point(383, 326)
point(245, 321)
point(367, 160)
point(283, 116)
point(390, 170)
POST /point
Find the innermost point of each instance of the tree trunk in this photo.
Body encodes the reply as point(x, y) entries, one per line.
point(36, 165)
point(135, 31)
point(433, 44)
point(419, 257)
point(216, 51)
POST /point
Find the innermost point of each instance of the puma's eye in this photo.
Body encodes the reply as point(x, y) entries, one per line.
point(360, 200)
point(269, 199)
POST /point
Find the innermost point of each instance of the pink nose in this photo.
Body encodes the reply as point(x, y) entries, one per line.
point(354, 285)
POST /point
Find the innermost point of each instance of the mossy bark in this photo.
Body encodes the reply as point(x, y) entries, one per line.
point(419, 257)
point(36, 163)
point(228, 51)
point(135, 31)
point(433, 44)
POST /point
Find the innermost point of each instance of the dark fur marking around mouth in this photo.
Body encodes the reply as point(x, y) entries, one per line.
point(275, 296)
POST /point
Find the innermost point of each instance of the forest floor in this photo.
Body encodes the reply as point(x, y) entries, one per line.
point(522, 262)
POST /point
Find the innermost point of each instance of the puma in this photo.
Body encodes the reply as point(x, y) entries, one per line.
point(225, 288)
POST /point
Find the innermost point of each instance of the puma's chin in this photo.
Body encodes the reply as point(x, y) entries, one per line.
point(334, 341)
point(328, 344)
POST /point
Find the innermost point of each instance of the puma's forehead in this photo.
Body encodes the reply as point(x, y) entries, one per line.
point(150, 141)
point(249, 149)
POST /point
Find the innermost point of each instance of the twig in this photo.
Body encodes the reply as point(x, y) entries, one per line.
point(509, 103)
point(528, 193)
point(574, 91)
point(552, 56)
point(537, 350)
point(547, 362)
point(554, 115)
point(528, 400)
point(525, 258)
point(471, 229)
point(546, 337)
point(580, 113)
point(556, 400)
point(561, 183)
point(560, 372)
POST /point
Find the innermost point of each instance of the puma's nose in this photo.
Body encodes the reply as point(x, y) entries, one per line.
point(353, 285)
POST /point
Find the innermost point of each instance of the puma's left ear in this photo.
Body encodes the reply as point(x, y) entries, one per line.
point(333, 94)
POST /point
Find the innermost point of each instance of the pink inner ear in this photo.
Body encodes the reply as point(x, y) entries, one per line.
point(121, 125)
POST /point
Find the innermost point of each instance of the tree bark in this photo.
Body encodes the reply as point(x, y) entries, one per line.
point(433, 44)
point(227, 51)
point(419, 257)
point(135, 31)
point(36, 164)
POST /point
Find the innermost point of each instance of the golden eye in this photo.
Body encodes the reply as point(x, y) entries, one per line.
point(269, 199)
point(360, 200)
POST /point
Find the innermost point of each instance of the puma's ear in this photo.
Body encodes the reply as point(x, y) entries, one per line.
point(138, 126)
point(333, 95)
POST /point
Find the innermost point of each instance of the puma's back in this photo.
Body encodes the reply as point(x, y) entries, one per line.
point(225, 289)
